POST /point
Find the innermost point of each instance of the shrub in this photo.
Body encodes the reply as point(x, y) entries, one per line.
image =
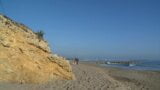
point(40, 34)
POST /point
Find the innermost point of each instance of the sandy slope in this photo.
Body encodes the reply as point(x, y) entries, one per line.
point(25, 57)
point(92, 77)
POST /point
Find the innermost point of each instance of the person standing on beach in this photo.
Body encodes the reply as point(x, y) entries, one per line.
point(76, 61)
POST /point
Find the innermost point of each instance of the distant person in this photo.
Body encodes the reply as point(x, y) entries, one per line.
point(76, 61)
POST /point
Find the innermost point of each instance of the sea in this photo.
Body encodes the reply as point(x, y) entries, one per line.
point(153, 65)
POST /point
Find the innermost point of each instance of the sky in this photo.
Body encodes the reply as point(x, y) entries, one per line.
point(93, 29)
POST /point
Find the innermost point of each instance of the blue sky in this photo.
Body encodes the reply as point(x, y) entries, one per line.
point(116, 29)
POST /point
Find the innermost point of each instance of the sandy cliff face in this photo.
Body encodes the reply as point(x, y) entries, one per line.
point(26, 59)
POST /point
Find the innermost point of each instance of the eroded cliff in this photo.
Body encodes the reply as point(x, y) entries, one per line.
point(24, 58)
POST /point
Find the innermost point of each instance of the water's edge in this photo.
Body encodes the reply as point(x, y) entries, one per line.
point(142, 65)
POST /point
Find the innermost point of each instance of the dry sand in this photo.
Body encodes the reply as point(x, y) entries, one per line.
point(93, 77)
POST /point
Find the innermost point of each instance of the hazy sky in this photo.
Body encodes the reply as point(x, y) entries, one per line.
point(121, 29)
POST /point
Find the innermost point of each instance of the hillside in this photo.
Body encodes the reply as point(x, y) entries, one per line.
point(25, 58)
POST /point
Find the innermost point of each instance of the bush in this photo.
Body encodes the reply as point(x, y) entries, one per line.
point(40, 34)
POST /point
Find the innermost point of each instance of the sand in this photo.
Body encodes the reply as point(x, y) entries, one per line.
point(90, 76)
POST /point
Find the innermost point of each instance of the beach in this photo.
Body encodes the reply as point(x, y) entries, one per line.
point(90, 76)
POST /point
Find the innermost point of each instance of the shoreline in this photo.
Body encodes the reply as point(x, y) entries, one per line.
point(148, 78)
point(99, 64)
point(91, 76)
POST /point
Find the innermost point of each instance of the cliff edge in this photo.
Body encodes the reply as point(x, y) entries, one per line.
point(25, 58)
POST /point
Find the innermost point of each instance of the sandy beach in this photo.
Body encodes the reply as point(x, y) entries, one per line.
point(79, 44)
point(90, 76)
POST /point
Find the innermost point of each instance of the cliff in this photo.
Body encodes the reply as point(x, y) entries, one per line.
point(25, 58)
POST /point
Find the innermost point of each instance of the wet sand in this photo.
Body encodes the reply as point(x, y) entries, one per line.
point(90, 76)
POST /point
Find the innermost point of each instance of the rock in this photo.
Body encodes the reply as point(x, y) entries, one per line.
point(26, 59)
